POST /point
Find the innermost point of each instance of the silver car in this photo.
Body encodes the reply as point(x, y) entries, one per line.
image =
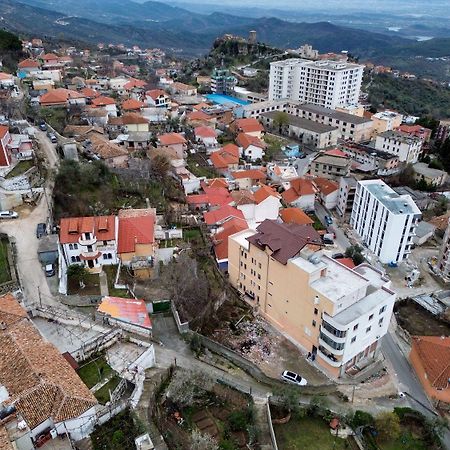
point(8, 215)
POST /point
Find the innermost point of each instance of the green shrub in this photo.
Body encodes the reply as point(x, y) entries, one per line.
point(238, 420)
point(361, 419)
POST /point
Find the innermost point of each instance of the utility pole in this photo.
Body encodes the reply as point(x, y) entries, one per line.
point(40, 299)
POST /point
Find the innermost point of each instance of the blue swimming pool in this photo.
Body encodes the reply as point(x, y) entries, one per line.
point(222, 99)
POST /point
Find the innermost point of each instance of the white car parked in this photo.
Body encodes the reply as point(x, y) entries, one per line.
point(294, 378)
point(8, 215)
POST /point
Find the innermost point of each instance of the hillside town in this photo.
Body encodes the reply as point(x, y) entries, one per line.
point(185, 262)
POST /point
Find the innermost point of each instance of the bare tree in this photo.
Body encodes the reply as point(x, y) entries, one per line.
point(188, 386)
point(189, 289)
point(200, 441)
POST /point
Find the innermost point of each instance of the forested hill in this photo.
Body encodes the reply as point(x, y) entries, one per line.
point(10, 49)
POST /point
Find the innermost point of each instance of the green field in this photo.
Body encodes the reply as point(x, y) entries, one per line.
point(5, 274)
point(102, 395)
point(94, 371)
point(307, 433)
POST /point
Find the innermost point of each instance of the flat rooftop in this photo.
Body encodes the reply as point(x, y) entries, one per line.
point(339, 282)
point(338, 115)
point(396, 204)
point(303, 123)
point(376, 297)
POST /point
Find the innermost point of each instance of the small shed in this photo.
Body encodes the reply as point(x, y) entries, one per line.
point(424, 231)
point(48, 249)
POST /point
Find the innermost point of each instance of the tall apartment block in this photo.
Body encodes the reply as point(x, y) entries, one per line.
point(444, 256)
point(222, 81)
point(384, 220)
point(325, 83)
point(335, 313)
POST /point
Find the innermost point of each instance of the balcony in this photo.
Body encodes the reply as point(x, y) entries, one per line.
point(94, 254)
point(329, 349)
point(333, 337)
point(328, 358)
point(86, 242)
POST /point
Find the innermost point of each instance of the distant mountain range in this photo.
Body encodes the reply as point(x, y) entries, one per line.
point(156, 24)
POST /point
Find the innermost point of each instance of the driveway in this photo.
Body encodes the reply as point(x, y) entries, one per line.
point(341, 241)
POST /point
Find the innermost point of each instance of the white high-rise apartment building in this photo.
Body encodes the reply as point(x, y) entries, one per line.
point(384, 220)
point(325, 83)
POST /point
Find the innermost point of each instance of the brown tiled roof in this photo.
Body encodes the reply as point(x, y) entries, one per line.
point(284, 240)
point(440, 222)
point(243, 197)
point(248, 125)
point(40, 382)
point(5, 443)
point(434, 353)
point(253, 174)
point(104, 148)
point(245, 140)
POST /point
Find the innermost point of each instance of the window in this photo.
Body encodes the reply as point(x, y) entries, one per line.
point(314, 323)
point(259, 265)
point(382, 310)
point(355, 327)
point(70, 246)
point(73, 259)
point(75, 246)
point(316, 311)
point(371, 317)
point(353, 339)
point(381, 320)
point(368, 329)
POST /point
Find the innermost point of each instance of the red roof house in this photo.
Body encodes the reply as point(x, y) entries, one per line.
point(221, 215)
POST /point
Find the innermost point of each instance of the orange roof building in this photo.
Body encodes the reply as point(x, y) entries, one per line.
point(102, 101)
point(295, 215)
point(169, 139)
point(226, 158)
point(430, 358)
point(40, 383)
point(264, 192)
point(249, 126)
point(126, 311)
point(61, 97)
point(132, 105)
point(232, 226)
point(221, 215)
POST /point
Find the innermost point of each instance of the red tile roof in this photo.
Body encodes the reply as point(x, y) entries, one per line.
point(129, 310)
point(90, 93)
point(134, 83)
point(325, 186)
point(103, 101)
point(434, 354)
point(249, 125)
point(265, 191)
point(40, 382)
point(299, 187)
point(205, 132)
point(336, 152)
point(133, 118)
point(220, 239)
point(28, 64)
point(215, 182)
point(348, 262)
point(103, 228)
point(228, 155)
point(59, 96)
point(198, 115)
point(212, 197)
point(221, 214)
point(132, 105)
point(155, 93)
point(295, 215)
point(6, 76)
point(133, 231)
point(3, 131)
point(245, 140)
point(253, 174)
point(171, 139)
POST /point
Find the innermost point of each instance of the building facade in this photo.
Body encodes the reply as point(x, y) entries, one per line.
point(346, 196)
point(222, 82)
point(384, 220)
point(406, 147)
point(444, 256)
point(325, 83)
point(89, 241)
point(335, 313)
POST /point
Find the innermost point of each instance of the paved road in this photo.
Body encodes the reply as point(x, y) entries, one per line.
point(408, 382)
point(341, 241)
point(23, 232)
